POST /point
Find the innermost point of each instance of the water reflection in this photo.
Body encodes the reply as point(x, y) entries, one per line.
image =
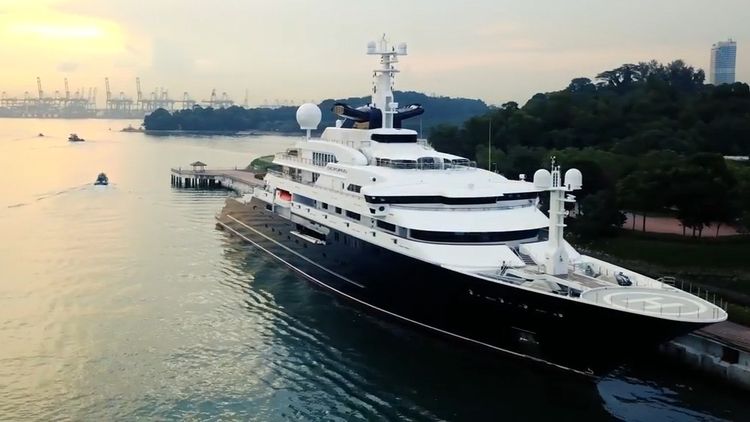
point(125, 302)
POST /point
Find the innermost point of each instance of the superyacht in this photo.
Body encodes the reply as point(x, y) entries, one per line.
point(372, 213)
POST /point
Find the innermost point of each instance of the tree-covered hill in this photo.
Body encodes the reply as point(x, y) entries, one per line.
point(438, 110)
point(648, 137)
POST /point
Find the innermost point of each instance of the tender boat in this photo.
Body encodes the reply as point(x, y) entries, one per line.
point(130, 128)
point(74, 138)
point(376, 216)
point(101, 179)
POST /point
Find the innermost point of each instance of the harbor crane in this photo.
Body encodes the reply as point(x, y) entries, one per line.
point(117, 106)
point(219, 102)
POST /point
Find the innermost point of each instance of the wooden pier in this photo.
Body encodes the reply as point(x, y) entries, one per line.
point(241, 181)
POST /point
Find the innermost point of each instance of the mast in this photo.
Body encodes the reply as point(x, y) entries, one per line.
point(382, 97)
point(556, 257)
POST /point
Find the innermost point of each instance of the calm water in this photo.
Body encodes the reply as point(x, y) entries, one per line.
point(124, 301)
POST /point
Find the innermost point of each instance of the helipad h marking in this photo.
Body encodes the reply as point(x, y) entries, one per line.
point(652, 304)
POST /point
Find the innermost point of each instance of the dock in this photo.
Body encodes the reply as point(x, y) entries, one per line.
point(721, 350)
point(241, 181)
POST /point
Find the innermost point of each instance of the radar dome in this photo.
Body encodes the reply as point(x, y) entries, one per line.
point(542, 179)
point(573, 179)
point(308, 116)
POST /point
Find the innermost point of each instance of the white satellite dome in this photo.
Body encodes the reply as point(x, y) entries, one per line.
point(309, 116)
point(542, 179)
point(573, 179)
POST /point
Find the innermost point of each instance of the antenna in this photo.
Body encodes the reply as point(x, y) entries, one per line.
point(489, 145)
point(382, 97)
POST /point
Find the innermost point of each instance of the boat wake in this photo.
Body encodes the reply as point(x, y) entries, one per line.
point(54, 194)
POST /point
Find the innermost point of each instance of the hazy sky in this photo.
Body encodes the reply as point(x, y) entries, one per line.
point(302, 49)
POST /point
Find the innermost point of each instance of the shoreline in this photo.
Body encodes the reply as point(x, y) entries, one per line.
point(238, 133)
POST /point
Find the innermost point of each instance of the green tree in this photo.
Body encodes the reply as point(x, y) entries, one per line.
point(160, 119)
point(598, 216)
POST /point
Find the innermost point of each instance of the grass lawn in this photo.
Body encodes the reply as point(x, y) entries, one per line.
point(721, 265)
point(705, 255)
point(261, 164)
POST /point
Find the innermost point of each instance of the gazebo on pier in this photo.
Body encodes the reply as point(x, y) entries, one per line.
point(199, 166)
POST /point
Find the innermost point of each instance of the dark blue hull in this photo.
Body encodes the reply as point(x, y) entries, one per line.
point(496, 316)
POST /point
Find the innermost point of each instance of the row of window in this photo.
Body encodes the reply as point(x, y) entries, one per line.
point(431, 236)
point(322, 158)
point(472, 237)
point(436, 199)
point(423, 163)
point(350, 214)
point(446, 237)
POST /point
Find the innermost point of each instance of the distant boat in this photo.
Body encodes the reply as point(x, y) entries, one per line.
point(101, 179)
point(130, 128)
point(41, 135)
point(74, 138)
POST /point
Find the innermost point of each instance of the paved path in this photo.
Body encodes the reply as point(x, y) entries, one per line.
point(673, 226)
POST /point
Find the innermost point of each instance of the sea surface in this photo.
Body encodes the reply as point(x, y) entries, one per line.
point(125, 302)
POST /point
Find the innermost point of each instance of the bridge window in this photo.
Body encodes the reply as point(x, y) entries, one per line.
point(394, 139)
point(354, 188)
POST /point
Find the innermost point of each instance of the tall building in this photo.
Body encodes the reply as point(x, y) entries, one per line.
point(723, 62)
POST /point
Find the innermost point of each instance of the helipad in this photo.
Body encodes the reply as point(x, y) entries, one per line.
point(672, 304)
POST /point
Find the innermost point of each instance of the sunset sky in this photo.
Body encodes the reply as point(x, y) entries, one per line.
point(301, 49)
